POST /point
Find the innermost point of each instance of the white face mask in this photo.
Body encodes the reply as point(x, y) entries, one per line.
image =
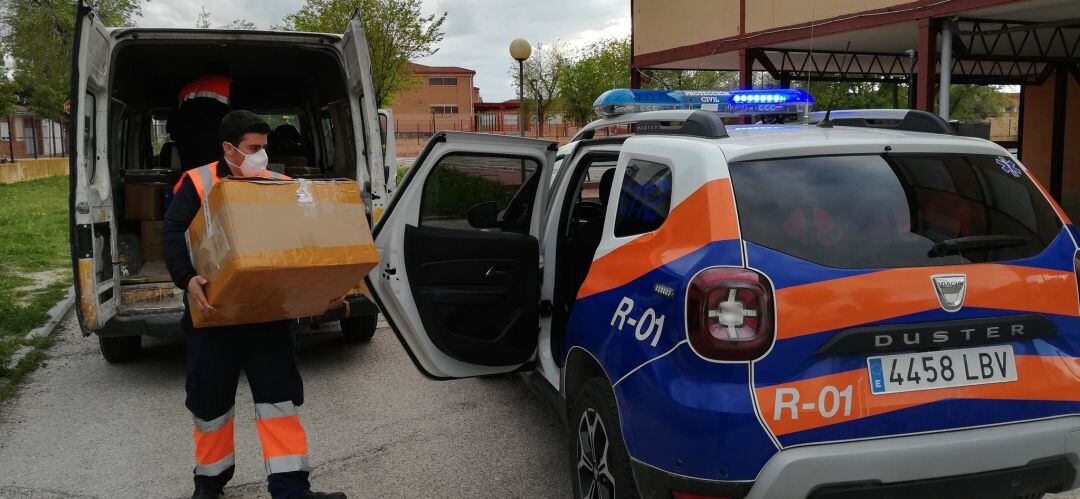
point(254, 163)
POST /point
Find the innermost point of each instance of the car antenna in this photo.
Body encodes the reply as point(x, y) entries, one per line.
point(827, 122)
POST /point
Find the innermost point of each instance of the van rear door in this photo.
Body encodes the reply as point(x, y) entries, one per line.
point(93, 221)
point(369, 167)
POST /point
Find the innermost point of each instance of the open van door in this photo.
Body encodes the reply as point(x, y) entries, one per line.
point(459, 277)
point(93, 219)
point(365, 121)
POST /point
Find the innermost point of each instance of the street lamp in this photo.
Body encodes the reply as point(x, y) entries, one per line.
point(521, 50)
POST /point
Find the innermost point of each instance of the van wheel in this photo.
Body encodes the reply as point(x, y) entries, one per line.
point(117, 349)
point(359, 329)
point(599, 463)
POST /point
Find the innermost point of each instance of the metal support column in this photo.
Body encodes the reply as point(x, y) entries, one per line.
point(926, 66)
point(635, 78)
point(746, 69)
point(946, 71)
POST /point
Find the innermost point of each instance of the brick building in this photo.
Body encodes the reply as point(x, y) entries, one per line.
point(443, 101)
point(24, 135)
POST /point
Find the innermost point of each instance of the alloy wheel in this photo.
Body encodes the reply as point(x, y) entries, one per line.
point(595, 480)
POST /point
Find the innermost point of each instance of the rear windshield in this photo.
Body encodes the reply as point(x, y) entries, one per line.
point(894, 210)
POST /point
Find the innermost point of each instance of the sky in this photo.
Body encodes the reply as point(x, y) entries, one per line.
point(477, 32)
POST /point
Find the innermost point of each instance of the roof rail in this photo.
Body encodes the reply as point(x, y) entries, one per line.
point(674, 122)
point(910, 120)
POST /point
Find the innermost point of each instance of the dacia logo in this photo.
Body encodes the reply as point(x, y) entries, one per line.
point(950, 290)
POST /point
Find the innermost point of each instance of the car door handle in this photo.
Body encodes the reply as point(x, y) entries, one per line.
point(494, 272)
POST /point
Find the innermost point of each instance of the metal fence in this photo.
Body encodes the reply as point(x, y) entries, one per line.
point(31, 137)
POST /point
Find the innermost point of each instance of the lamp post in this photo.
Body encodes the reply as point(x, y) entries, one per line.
point(521, 50)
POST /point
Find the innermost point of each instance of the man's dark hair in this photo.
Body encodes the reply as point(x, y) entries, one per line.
point(237, 123)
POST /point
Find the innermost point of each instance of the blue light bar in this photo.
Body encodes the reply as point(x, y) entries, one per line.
point(733, 103)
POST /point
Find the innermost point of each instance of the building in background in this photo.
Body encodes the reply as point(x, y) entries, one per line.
point(24, 135)
point(497, 117)
point(443, 100)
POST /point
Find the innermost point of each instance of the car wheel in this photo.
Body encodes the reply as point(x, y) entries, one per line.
point(117, 349)
point(359, 329)
point(600, 465)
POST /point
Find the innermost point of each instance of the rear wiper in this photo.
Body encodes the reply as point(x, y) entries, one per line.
point(958, 245)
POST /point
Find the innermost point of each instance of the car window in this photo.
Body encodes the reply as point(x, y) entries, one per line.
point(895, 210)
point(458, 182)
point(644, 199)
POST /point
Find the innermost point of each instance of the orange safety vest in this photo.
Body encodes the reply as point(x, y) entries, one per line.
point(205, 178)
point(210, 86)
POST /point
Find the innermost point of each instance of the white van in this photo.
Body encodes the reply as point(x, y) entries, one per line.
point(123, 92)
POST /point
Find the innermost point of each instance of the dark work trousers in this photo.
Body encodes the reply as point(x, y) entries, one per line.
point(267, 355)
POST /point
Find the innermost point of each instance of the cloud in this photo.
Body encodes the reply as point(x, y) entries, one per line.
point(477, 32)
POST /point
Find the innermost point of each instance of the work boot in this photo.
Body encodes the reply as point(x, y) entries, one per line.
point(324, 495)
point(204, 492)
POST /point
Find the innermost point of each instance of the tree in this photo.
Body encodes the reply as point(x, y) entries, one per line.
point(598, 68)
point(543, 72)
point(240, 24)
point(202, 20)
point(37, 36)
point(605, 65)
point(975, 102)
point(397, 33)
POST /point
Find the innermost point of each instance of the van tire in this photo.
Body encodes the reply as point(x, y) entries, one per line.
point(595, 407)
point(118, 349)
point(359, 329)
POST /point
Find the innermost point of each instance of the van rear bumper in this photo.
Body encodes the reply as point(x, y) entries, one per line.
point(1022, 451)
point(165, 322)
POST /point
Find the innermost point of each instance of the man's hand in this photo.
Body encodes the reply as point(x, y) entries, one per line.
point(197, 294)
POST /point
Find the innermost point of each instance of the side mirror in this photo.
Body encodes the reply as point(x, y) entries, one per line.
point(484, 215)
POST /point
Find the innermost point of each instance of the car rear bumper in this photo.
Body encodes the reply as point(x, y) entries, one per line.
point(1003, 461)
point(1013, 455)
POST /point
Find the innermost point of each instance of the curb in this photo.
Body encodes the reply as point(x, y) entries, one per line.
point(55, 316)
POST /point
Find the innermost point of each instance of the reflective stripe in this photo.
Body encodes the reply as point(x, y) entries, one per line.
point(210, 86)
point(203, 178)
point(285, 464)
point(278, 410)
point(214, 446)
point(207, 94)
point(281, 436)
point(217, 468)
point(214, 424)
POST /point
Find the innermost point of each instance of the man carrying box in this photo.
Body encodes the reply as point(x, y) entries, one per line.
point(216, 355)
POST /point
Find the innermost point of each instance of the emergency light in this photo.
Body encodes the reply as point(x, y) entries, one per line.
point(734, 102)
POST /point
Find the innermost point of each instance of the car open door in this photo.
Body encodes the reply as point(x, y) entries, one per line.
point(365, 121)
point(459, 275)
point(93, 219)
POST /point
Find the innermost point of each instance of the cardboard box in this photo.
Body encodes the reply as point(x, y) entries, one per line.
point(144, 201)
point(275, 249)
point(150, 235)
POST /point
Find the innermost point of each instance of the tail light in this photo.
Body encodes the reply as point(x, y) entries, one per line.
point(729, 314)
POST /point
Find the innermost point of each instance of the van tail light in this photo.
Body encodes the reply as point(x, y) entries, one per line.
point(729, 314)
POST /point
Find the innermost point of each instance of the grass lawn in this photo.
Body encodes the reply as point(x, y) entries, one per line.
point(35, 262)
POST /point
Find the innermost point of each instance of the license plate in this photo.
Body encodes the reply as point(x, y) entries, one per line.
point(943, 369)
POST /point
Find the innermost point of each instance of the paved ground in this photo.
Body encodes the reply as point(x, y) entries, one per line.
point(377, 428)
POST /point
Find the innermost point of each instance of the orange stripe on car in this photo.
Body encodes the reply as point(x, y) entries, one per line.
point(1040, 378)
point(857, 300)
point(707, 215)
